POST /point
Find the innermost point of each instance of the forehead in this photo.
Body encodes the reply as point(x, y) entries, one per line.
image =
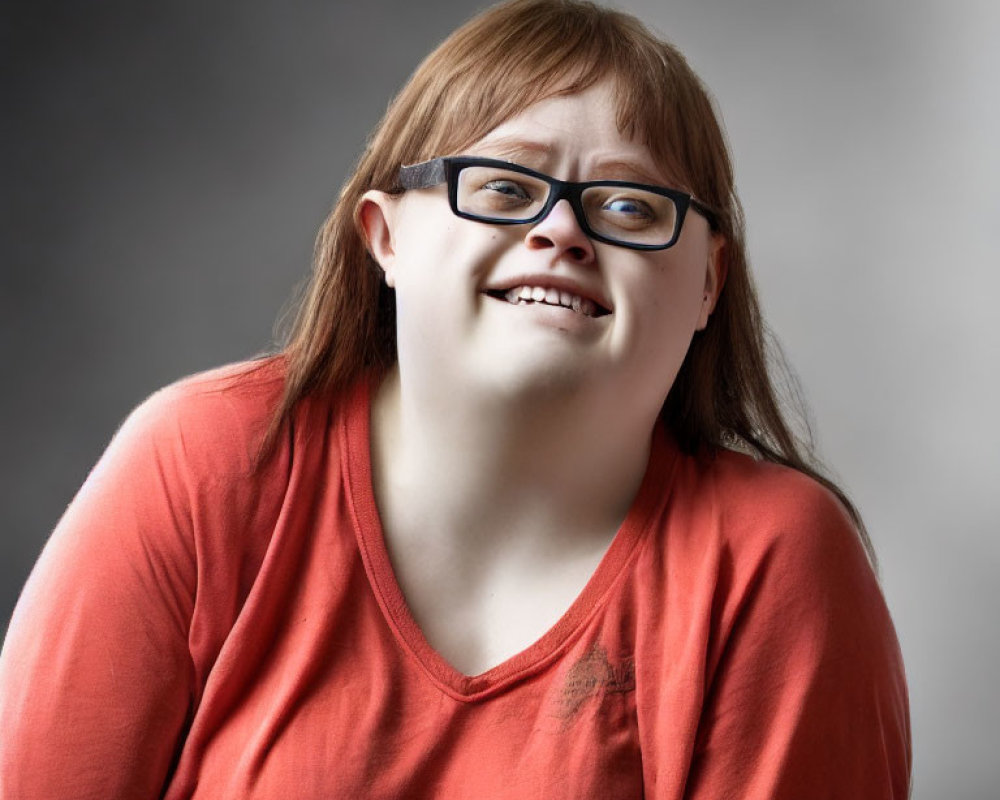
point(573, 133)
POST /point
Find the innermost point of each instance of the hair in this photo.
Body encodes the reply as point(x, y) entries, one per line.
point(492, 68)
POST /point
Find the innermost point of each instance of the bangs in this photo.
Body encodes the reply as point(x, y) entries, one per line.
point(491, 71)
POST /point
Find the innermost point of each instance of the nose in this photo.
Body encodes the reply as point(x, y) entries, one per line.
point(561, 230)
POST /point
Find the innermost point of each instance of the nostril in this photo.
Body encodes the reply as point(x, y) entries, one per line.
point(577, 253)
point(540, 242)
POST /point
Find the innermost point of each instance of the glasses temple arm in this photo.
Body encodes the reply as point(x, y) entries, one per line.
point(706, 211)
point(422, 175)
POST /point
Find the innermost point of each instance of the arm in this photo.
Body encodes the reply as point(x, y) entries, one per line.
point(95, 675)
point(807, 696)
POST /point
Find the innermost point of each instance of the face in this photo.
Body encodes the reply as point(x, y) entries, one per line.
point(511, 308)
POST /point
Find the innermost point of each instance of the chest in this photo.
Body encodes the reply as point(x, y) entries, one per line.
point(327, 700)
point(479, 608)
point(327, 685)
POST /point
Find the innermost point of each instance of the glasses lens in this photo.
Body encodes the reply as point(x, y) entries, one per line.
point(498, 193)
point(631, 215)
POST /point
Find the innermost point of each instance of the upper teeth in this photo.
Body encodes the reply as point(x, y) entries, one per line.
point(552, 297)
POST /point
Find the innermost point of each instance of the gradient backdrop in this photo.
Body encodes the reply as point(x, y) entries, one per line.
point(165, 167)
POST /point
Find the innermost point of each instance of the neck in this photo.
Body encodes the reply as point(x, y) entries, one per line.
point(463, 463)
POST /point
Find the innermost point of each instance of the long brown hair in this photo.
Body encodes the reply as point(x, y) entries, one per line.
point(487, 71)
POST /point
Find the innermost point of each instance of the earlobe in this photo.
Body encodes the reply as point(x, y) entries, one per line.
point(375, 218)
point(715, 278)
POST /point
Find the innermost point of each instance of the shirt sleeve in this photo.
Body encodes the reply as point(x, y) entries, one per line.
point(95, 674)
point(807, 695)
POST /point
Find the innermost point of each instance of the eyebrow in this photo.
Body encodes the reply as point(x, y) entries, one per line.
point(627, 170)
point(510, 148)
point(521, 150)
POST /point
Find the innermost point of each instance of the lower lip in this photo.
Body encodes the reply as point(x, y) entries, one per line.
point(556, 316)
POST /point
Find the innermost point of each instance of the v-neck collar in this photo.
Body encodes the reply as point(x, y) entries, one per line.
point(355, 439)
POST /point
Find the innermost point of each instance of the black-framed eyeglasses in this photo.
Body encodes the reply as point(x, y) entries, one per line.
point(632, 215)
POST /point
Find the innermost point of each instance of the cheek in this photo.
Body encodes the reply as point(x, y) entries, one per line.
point(433, 244)
point(440, 267)
point(672, 313)
point(675, 291)
point(667, 298)
point(683, 281)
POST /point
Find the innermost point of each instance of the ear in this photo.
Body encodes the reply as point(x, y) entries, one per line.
point(377, 217)
point(715, 278)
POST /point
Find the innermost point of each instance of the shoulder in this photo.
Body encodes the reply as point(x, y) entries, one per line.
point(785, 567)
point(213, 422)
point(759, 510)
point(780, 557)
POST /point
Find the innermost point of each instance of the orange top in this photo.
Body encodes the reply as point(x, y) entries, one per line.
point(196, 629)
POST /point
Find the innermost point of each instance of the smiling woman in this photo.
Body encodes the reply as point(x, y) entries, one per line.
point(513, 514)
point(648, 284)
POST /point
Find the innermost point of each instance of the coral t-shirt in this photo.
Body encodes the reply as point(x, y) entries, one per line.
point(199, 628)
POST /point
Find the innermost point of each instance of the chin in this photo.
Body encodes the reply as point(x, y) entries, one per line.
point(532, 374)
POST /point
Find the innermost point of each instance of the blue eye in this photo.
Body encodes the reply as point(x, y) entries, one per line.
point(629, 207)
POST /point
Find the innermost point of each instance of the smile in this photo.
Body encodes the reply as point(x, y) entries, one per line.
point(529, 295)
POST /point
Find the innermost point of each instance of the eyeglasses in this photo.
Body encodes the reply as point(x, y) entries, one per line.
point(631, 215)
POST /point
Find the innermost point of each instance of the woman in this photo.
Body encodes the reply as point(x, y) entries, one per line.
point(482, 529)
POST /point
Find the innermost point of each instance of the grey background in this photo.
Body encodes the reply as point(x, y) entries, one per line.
point(165, 168)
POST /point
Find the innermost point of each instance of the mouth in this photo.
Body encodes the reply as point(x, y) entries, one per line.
point(550, 296)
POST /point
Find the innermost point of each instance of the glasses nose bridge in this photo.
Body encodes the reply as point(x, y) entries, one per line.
point(571, 192)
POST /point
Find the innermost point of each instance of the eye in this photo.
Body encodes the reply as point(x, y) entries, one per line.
point(511, 189)
point(628, 207)
point(497, 193)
